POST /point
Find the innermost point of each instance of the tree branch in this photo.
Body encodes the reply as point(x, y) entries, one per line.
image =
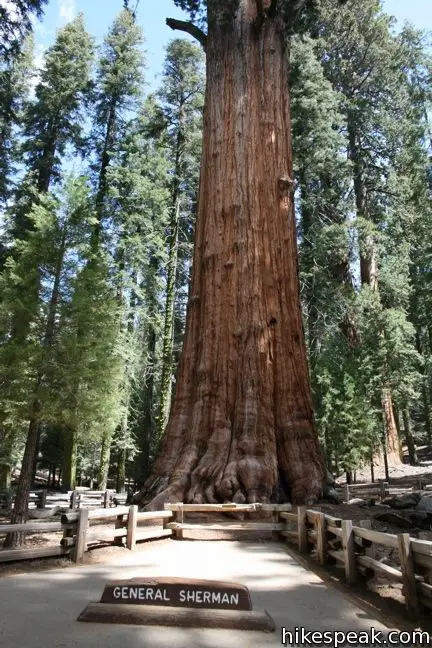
point(189, 28)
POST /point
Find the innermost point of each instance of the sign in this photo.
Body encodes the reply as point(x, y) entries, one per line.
point(178, 592)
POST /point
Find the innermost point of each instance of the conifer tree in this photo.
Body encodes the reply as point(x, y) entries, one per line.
point(139, 199)
point(182, 96)
point(324, 204)
point(51, 123)
point(118, 88)
point(119, 80)
point(15, 74)
point(54, 120)
point(15, 24)
point(370, 82)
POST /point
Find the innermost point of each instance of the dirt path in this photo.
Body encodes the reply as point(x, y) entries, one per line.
point(39, 609)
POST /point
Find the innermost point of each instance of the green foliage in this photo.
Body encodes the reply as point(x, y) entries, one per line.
point(54, 120)
point(95, 269)
point(14, 81)
point(16, 23)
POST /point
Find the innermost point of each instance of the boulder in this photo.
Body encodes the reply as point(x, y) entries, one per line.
point(332, 495)
point(407, 501)
point(43, 513)
point(358, 501)
point(420, 519)
point(396, 519)
point(400, 502)
point(425, 504)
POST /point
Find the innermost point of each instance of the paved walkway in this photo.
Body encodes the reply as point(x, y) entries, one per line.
point(39, 609)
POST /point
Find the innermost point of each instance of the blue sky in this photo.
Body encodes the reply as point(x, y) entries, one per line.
point(151, 16)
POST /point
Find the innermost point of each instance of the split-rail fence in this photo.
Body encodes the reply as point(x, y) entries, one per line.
point(331, 540)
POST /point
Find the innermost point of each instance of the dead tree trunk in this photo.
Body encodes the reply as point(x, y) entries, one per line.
point(241, 424)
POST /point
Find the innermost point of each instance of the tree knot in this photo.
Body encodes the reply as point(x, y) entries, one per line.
point(285, 186)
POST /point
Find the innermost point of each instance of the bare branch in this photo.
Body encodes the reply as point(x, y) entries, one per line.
point(189, 28)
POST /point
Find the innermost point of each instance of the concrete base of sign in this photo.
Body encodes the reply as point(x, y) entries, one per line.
point(181, 617)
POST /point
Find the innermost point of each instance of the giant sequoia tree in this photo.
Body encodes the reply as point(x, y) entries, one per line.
point(241, 424)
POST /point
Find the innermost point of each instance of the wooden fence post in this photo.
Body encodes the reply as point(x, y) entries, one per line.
point(321, 538)
point(106, 499)
point(179, 517)
point(409, 588)
point(118, 524)
point(81, 543)
point(347, 493)
point(348, 546)
point(302, 529)
point(384, 489)
point(132, 527)
point(74, 500)
point(42, 499)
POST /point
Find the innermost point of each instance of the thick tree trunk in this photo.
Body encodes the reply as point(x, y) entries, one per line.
point(393, 445)
point(104, 460)
point(5, 476)
point(412, 453)
point(425, 382)
point(241, 424)
point(69, 460)
point(124, 436)
point(168, 334)
point(20, 510)
point(121, 472)
point(6, 449)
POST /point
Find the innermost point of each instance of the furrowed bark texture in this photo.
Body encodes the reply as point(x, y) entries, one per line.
point(241, 422)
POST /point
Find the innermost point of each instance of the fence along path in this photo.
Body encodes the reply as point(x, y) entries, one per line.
point(330, 539)
point(74, 499)
point(378, 490)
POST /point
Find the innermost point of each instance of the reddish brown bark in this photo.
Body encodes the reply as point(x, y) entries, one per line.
point(393, 445)
point(241, 422)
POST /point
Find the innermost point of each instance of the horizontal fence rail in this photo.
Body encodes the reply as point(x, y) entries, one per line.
point(75, 499)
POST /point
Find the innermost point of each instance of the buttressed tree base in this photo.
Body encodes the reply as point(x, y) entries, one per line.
point(241, 425)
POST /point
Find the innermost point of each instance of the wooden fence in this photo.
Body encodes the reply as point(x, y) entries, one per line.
point(331, 540)
point(71, 499)
point(378, 490)
point(81, 528)
point(343, 544)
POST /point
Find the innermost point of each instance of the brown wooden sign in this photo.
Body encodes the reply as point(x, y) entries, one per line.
point(178, 592)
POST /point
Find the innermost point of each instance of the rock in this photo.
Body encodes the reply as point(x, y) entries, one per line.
point(400, 502)
point(332, 495)
point(40, 514)
point(358, 501)
point(420, 519)
point(396, 519)
point(388, 501)
point(425, 504)
point(409, 500)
